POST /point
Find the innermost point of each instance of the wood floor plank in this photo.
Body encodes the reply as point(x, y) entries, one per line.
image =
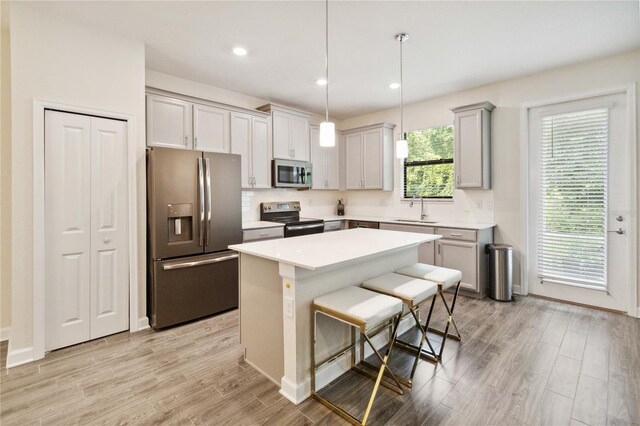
point(554, 333)
point(564, 376)
point(590, 404)
point(573, 345)
point(595, 362)
point(554, 409)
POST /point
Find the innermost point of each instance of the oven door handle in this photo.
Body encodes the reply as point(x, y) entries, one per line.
point(301, 227)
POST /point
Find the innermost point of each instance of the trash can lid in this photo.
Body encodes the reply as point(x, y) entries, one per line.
point(499, 247)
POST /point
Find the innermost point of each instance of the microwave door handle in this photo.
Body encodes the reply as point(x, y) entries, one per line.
point(208, 200)
point(303, 174)
point(201, 198)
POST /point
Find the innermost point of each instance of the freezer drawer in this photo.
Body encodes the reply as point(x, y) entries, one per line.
point(193, 287)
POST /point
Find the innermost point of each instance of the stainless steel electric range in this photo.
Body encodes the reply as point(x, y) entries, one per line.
point(288, 212)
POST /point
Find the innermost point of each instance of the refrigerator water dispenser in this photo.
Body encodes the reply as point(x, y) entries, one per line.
point(180, 220)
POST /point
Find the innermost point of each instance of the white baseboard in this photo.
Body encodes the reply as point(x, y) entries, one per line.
point(143, 323)
point(4, 333)
point(517, 289)
point(19, 357)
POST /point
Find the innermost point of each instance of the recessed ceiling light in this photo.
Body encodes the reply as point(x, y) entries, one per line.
point(240, 51)
point(321, 82)
point(394, 86)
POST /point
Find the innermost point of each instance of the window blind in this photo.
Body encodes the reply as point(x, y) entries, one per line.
point(572, 238)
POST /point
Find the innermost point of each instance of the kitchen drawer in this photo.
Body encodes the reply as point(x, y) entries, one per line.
point(333, 225)
point(457, 234)
point(262, 234)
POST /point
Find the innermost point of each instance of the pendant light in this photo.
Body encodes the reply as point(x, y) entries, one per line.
point(402, 148)
point(327, 128)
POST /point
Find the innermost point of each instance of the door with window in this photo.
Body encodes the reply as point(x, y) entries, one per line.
point(579, 202)
point(86, 262)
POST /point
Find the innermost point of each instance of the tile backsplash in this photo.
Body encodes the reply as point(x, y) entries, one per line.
point(473, 206)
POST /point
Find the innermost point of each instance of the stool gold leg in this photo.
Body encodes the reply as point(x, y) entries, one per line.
point(382, 368)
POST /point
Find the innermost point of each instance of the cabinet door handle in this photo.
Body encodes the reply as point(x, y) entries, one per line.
point(458, 179)
point(195, 142)
point(438, 248)
point(456, 234)
point(186, 141)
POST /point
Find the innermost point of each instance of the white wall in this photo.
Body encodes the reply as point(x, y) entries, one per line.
point(63, 62)
point(5, 185)
point(502, 202)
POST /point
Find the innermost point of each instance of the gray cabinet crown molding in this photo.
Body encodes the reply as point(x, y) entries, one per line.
point(196, 100)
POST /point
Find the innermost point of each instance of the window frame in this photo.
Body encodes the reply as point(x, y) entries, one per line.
point(405, 163)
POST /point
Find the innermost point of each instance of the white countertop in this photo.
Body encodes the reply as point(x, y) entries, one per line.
point(320, 250)
point(260, 224)
point(442, 224)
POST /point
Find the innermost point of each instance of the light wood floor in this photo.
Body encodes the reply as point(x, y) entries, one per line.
point(528, 362)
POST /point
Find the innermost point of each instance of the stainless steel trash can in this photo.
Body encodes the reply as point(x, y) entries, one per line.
point(500, 271)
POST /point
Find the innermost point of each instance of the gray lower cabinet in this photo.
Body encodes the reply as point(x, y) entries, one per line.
point(461, 249)
point(261, 234)
point(426, 251)
point(333, 225)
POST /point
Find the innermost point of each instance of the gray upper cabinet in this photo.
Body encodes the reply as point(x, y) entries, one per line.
point(369, 157)
point(168, 122)
point(290, 129)
point(325, 160)
point(211, 129)
point(472, 133)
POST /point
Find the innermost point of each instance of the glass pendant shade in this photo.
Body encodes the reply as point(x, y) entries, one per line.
point(327, 134)
point(402, 149)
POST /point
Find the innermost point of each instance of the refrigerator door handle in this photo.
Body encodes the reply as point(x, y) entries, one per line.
point(208, 200)
point(180, 265)
point(201, 198)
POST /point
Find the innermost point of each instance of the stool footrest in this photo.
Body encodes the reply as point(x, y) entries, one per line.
point(441, 333)
point(342, 413)
point(366, 373)
point(424, 353)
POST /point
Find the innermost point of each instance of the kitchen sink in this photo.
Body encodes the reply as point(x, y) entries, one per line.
point(416, 221)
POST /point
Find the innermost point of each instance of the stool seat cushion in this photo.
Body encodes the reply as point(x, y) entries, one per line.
point(402, 286)
point(363, 305)
point(444, 277)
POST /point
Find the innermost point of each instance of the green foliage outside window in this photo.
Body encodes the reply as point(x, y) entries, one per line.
point(428, 171)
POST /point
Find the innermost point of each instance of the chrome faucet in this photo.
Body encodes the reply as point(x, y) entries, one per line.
point(423, 213)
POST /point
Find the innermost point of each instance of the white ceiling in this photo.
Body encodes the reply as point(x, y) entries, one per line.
point(453, 45)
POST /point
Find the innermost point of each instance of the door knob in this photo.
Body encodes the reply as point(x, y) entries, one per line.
point(619, 218)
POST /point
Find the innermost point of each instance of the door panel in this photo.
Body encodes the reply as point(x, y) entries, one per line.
point(67, 228)
point(241, 144)
point(619, 247)
point(173, 195)
point(468, 129)
point(211, 129)
point(168, 122)
point(353, 161)
point(225, 220)
point(372, 164)
point(109, 236)
point(300, 138)
point(260, 156)
point(332, 165)
point(461, 256)
point(318, 158)
point(191, 292)
point(281, 135)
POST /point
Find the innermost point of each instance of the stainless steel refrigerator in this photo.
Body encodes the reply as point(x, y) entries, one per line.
point(194, 214)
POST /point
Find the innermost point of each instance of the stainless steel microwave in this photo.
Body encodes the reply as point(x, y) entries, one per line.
point(291, 174)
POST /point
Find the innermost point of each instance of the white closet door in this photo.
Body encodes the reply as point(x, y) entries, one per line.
point(67, 228)
point(109, 286)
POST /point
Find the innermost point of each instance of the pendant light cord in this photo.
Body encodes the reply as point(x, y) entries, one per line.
point(327, 58)
point(401, 94)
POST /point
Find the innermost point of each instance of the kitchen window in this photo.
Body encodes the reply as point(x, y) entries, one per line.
point(428, 170)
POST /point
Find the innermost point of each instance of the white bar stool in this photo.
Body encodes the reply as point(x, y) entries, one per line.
point(364, 310)
point(445, 278)
point(412, 292)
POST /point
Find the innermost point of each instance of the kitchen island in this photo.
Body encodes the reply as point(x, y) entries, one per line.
point(279, 279)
